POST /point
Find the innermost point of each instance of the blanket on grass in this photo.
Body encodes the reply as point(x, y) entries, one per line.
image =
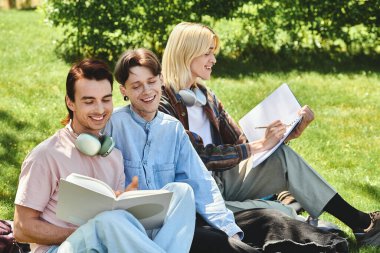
point(272, 231)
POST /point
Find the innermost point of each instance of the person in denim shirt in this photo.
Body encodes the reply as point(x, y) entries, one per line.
point(155, 146)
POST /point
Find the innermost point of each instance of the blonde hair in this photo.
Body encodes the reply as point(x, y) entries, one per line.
point(186, 42)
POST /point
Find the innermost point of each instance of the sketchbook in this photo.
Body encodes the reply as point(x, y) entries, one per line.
point(81, 198)
point(282, 105)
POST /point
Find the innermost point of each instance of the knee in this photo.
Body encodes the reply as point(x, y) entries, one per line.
point(285, 150)
point(181, 190)
point(278, 156)
point(281, 150)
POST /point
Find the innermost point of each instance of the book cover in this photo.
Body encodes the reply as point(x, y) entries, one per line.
point(81, 198)
point(282, 105)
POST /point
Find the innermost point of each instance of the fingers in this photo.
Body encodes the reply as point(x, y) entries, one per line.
point(306, 113)
point(273, 134)
point(134, 185)
point(276, 129)
point(307, 117)
point(117, 193)
point(275, 123)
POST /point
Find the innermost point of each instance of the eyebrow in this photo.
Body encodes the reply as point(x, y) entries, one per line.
point(138, 81)
point(211, 49)
point(88, 97)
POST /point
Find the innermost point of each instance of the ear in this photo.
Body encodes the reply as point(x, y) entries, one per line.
point(70, 104)
point(123, 90)
point(161, 80)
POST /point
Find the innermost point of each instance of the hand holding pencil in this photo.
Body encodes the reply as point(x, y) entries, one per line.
point(263, 127)
point(273, 134)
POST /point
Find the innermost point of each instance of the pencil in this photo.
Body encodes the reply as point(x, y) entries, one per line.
point(263, 127)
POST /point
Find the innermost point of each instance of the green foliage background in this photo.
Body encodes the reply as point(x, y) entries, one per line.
point(106, 28)
point(292, 33)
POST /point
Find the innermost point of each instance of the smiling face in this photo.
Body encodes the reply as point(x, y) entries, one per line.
point(92, 107)
point(201, 66)
point(143, 90)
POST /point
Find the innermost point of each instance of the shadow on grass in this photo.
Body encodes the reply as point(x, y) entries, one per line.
point(10, 140)
point(268, 62)
point(12, 129)
point(369, 191)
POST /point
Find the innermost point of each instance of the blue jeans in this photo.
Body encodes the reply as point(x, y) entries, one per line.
point(119, 231)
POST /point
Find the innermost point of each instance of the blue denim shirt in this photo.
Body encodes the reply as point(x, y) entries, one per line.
point(160, 152)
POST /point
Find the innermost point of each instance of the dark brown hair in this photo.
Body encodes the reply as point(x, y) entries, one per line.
point(86, 69)
point(137, 57)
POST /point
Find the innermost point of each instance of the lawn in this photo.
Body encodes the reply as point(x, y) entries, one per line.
point(343, 142)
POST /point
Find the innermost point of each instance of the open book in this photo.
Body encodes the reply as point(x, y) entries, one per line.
point(279, 105)
point(80, 198)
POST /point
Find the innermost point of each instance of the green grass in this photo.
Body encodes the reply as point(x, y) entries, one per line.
point(343, 143)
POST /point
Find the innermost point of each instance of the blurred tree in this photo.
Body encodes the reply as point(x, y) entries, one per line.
point(263, 29)
point(106, 28)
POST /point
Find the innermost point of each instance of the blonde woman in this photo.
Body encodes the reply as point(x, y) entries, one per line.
point(187, 61)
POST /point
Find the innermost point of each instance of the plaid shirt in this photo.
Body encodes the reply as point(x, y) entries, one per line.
point(229, 143)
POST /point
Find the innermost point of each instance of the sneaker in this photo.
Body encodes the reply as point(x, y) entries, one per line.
point(323, 225)
point(371, 235)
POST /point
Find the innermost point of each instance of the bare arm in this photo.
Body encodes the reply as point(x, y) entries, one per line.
point(28, 227)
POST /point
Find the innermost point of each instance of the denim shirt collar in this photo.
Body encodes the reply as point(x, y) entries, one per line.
point(140, 120)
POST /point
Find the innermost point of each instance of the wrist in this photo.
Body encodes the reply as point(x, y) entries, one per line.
point(236, 236)
point(256, 147)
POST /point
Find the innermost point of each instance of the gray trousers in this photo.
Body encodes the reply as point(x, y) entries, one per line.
point(283, 170)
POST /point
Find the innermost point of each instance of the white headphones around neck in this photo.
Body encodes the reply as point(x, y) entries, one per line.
point(91, 145)
point(193, 97)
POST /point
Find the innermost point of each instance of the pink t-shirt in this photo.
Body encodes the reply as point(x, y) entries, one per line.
point(57, 158)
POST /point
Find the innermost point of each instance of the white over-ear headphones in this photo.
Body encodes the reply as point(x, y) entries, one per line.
point(193, 97)
point(90, 145)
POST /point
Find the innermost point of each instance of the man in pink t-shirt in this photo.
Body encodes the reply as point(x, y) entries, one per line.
point(89, 103)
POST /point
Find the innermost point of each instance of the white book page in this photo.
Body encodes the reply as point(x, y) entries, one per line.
point(279, 105)
point(77, 204)
point(140, 193)
point(91, 183)
point(81, 198)
point(148, 206)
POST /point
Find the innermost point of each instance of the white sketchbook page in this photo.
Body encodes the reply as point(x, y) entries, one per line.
point(279, 105)
point(82, 199)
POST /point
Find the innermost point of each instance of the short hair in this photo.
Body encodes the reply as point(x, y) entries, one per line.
point(86, 69)
point(137, 57)
point(186, 42)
